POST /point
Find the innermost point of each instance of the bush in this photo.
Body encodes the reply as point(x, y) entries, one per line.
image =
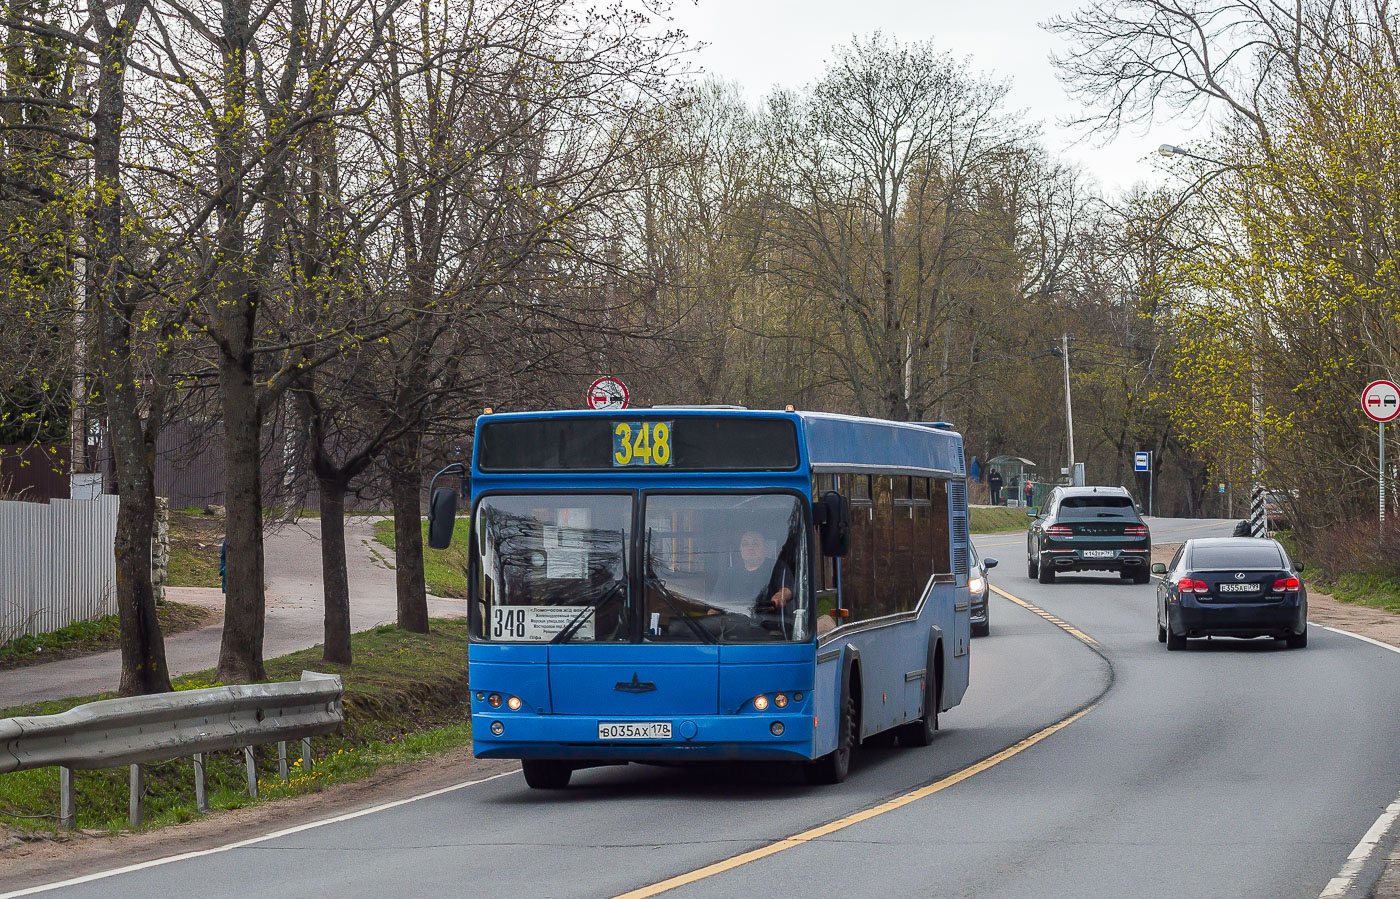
point(1355, 547)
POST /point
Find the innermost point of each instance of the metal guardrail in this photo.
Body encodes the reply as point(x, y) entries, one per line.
point(115, 732)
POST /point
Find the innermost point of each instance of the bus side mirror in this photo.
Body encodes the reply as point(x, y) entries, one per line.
point(832, 514)
point(442, 517)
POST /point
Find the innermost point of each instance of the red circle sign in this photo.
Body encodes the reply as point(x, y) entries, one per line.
point(1381, 401)
point(607, 393)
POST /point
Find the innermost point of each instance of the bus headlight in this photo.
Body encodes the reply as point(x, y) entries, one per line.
point(780, 700)
point(513, 703)
point(760, 702)
point(494, 700)
point(497, 728)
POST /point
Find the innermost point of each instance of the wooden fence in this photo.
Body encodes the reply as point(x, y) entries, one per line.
point(57, 564)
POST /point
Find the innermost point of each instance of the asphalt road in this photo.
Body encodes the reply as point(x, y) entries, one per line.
point(1239, 769)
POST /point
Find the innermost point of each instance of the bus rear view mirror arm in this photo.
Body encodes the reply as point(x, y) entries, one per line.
point(442, 507)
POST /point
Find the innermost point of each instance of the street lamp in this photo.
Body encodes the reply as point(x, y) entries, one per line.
point(1256, 452)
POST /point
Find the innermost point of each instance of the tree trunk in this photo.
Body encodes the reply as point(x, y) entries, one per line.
point(333, 571)
point(133, 445)
point(406, 479)
point(241, 652)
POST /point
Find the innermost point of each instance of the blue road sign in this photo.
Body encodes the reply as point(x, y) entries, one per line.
point(1141, 461)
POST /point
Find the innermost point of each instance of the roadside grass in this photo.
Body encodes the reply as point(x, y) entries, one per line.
point(405, 699)
point(98, 635)
point(445, 570)
point(996, 519)
point(1376, 591)
point(195, 539)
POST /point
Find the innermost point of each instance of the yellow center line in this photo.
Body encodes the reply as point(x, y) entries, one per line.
point(808, 836)
point(1068, 628)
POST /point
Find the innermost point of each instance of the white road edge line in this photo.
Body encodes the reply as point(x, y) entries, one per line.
point(1338, 885)
point(311, 825)
point(1335, 630)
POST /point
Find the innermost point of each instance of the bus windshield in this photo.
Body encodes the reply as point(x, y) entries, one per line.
point(725, 568)
point(553, 567)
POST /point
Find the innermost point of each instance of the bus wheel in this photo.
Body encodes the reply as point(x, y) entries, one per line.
point(921, 732)
point(547, 774)
point(833, 767)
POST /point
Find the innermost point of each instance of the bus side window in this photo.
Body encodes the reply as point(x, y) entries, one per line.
point(941, 546)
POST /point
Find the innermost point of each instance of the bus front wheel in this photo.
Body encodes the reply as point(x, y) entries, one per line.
point(547, 774)
point(833, 767)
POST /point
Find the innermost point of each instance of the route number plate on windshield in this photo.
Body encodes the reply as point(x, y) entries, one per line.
point(634, 730)
point(540, 624)
point(1237, 588)
point(1098, 553)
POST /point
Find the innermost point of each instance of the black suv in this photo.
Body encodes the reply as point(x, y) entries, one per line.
point(1088, 529)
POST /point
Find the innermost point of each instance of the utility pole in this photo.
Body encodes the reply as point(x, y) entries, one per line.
point(1069, 406)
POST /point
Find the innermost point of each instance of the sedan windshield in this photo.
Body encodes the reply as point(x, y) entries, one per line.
point(1097, 507)
point(725, 568)
point(553, 568)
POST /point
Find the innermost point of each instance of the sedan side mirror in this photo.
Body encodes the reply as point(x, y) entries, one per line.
point(1298, 566)
point(1033, 512)
point(989, 564)
point(1159, 568)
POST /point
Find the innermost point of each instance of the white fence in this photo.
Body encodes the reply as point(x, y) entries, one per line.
point(57, 564)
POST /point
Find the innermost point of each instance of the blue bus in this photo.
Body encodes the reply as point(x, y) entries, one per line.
point(706, 583)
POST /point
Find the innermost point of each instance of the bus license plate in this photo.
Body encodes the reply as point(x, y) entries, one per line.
point(634, 730)
point(1098, 553)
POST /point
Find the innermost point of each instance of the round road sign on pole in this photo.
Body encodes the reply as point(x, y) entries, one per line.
point(1381, 402)
point(607, 394)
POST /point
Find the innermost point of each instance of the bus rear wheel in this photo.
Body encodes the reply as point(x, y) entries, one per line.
point(833, 767)
point(547, 774)
point(922, 732)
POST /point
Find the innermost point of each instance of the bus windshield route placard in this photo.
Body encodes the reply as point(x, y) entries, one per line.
point(641, 443)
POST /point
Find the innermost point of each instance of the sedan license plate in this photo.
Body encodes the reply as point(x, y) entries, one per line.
point(1098, 553)
point(1237, 588)
point(634, 730)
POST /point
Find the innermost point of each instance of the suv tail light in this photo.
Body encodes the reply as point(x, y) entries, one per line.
point(1135, 530)
point(1288, 584)
point(1059, 530)
point(1186, 585)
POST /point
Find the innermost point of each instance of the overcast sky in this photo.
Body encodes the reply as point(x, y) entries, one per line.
point(763, 43)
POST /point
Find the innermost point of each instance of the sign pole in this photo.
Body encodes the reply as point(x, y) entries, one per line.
point(1382, 479)
point(1381, 403)
point(1150, 477)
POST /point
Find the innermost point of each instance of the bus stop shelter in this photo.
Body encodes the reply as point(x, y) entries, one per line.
point(1014, 471)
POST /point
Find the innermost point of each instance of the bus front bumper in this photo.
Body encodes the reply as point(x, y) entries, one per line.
point(743, 737)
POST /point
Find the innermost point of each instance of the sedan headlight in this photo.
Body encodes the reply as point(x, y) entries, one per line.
point(977, 584)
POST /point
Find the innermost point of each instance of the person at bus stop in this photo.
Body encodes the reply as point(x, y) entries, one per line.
point(994, 486)
point(1030, 491)
point(757, 582)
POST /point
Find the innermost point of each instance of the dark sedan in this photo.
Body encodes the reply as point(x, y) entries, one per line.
point(979, 587)
point(1088, 529)
point(1231, 587)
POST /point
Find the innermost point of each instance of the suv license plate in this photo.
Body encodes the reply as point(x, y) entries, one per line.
point(634, 730)
point(1237, 588)
point(1098, 553)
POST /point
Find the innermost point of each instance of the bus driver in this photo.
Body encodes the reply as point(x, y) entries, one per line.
point(763, 585)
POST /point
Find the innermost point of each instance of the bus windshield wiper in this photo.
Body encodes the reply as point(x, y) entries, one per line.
point(567, 634)
point(675, 604)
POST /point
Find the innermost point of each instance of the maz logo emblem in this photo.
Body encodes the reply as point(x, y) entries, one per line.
point(634, 685)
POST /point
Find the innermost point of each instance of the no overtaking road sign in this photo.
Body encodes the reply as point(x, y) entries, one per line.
point(1381, 401)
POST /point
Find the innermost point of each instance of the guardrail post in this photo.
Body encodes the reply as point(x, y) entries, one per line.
point(305, 755)
point(67, 799)
point(282, 760)
point(201, 789)
point(138, 788)
point(250, 763)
